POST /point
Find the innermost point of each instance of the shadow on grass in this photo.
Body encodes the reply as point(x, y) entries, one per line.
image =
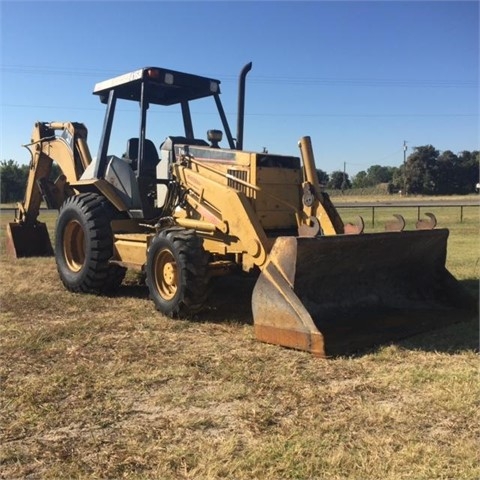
point(472, 287)
point(230, 301)
point(454, 338)
point(459, 333)
point(131, 290)
point(230, 297)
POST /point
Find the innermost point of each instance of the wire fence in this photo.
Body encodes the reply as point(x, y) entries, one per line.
point(420, 208)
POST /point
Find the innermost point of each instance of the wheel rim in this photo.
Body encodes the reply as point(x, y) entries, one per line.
point(165, 269)
point(74, 245)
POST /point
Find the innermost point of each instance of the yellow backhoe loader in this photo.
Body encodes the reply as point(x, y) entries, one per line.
point(188, 209)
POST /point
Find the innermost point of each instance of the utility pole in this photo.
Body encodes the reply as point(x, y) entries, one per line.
point(404, 167)
point(344, 175)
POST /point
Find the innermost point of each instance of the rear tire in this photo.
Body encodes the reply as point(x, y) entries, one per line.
point(177, 272)
point(84, 245)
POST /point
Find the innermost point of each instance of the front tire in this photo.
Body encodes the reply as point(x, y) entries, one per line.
point(84, 245)
point(177, 272)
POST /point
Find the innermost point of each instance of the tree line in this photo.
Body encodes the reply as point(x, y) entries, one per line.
point(425, 172)
point(13, 180)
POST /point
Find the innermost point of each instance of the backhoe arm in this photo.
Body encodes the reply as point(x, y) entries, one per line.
point(69, 150)
point(26, 236)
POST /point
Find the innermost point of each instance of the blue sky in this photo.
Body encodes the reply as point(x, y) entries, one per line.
point(358, 77)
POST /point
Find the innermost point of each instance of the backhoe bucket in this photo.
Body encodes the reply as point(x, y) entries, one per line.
point(28, 240)
point(334, 295)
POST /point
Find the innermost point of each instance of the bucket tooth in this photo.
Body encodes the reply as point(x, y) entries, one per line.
point(428, 223)
point(397, 225)
point(355, 228)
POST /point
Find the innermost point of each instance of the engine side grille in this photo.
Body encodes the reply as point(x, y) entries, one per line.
point(241, 175)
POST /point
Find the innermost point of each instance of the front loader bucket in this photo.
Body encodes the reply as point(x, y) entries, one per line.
point(334, 295)
point(28, 240)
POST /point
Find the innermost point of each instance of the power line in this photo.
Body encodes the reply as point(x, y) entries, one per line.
point(261, 114)
point(258, 79)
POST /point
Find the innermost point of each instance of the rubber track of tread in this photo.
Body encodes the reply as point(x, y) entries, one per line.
point(101, 276)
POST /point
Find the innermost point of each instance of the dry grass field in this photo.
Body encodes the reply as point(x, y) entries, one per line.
point(107, 388)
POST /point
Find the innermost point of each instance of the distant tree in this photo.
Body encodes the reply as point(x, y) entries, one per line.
point(394, 185)
point(457, 173)
point(447, 174)
point(13, 179)
point(468, 171)
point(360, 180)
point(398, 178)
point(420, 170)
point(323, 177)
point(431, 173)
point(377, 174)
point(339, 181)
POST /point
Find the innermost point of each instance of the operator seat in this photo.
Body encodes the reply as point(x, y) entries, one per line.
point(150, 154)
point(148, 180)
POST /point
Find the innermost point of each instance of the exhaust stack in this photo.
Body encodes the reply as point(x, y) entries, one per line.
point(241, 104)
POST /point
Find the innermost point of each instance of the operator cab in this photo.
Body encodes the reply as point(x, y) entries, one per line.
point(147, 87)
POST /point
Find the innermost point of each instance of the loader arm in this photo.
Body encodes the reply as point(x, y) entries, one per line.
point(66, 145)
point(319, 214)
point(225, 211)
